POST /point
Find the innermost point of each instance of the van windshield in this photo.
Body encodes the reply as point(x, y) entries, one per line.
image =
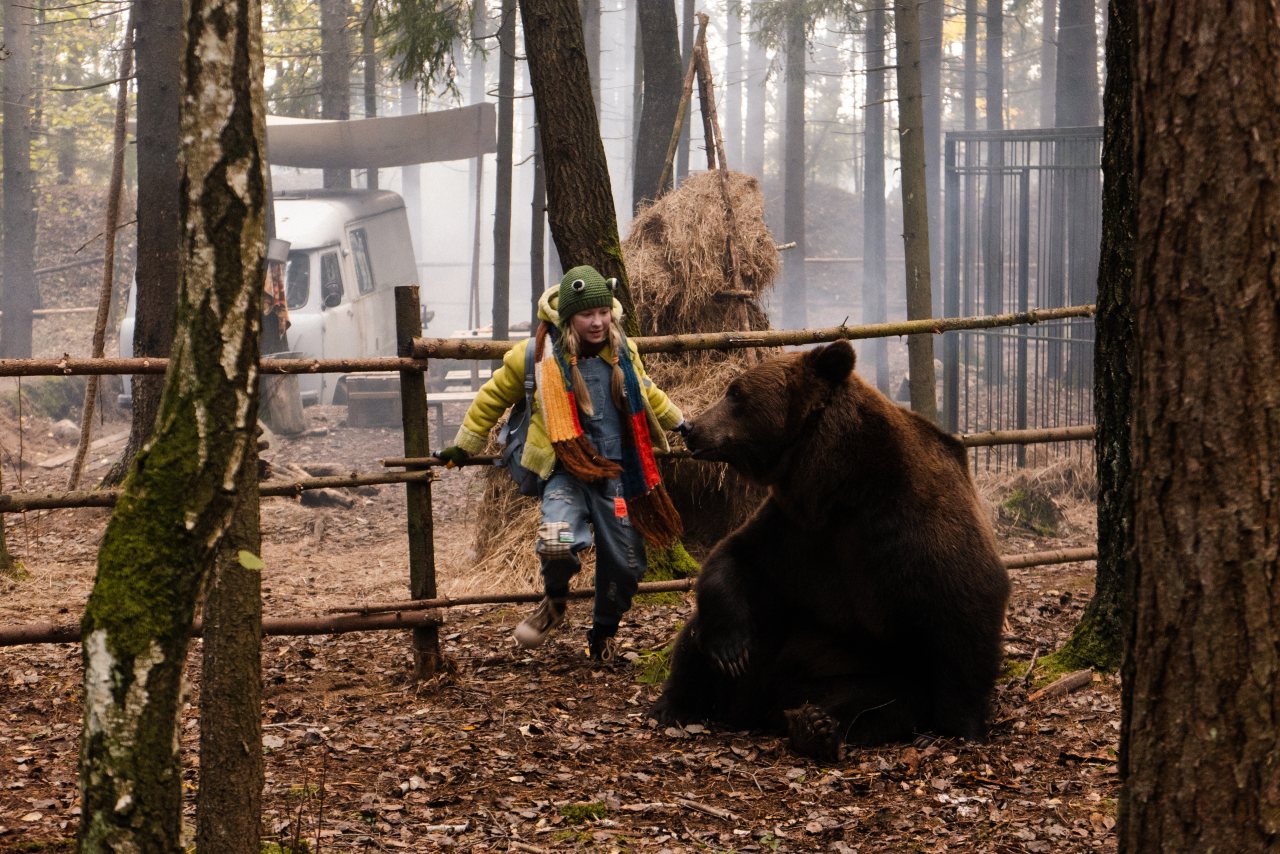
point(297, 276)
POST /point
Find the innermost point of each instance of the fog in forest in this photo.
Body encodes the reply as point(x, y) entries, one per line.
point(1011, 151)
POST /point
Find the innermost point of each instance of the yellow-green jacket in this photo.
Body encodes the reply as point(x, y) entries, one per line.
point(506, 387)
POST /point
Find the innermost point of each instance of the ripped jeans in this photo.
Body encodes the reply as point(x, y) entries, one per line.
point(570, 510)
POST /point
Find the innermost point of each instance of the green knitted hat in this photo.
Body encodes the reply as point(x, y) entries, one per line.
point(583, 288)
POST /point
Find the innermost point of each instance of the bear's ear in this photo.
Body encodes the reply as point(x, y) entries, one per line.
point(833, 362)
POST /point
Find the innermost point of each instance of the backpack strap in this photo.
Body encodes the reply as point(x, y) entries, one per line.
point(529, 378)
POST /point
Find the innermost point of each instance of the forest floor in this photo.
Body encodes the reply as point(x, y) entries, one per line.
point(540, 750)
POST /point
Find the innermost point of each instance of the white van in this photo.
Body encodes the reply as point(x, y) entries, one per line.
point(348, 251)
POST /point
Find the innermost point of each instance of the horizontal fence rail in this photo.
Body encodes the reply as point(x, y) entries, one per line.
point(418, 470)
point(416, 613)
point(452, 348)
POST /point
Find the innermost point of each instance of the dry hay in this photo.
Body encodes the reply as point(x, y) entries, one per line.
point(1053, 499)
point(675, 257)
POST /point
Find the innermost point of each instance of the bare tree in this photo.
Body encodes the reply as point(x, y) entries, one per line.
point(20, 296)
point(874, 286)
point(1199, 734)
point(503, 169)
point(1096, 640)
point(795, 297)
point(158, 49)
point(915, 208)
point(663, 79)
point(579, 195)
point(176, 505)
point(335, 74)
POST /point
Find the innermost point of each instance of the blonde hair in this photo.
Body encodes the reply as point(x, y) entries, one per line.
point(572, 345)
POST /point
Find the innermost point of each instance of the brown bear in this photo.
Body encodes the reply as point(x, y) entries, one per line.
point(864, 600)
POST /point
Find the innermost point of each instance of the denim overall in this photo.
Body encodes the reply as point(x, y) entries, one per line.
point(620, 557)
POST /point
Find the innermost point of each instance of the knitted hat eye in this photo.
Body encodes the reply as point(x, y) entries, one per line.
point(612, 283)
point(578, 286)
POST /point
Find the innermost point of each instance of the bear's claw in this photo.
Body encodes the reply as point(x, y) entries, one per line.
point(732, 661)
point(814, 733)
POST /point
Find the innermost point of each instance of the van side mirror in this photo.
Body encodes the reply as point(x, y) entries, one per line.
point(331, 294)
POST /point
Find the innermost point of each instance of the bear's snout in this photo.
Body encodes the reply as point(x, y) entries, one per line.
point(702, 440)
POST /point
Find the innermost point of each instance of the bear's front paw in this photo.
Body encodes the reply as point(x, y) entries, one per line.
point(664, 711)
point(814, 733)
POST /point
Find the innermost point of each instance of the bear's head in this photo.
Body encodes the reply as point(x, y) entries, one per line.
point(769, 408)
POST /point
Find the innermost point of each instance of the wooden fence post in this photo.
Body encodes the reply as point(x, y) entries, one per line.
point(427, 658)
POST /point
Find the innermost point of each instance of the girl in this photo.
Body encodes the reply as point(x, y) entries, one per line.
point(597, 419)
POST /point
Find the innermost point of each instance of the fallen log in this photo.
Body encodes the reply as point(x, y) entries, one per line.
point(1071, 682)
point(68, 632)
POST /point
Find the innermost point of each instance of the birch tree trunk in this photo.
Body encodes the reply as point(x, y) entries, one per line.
point(1200, 729)
point(180, 495)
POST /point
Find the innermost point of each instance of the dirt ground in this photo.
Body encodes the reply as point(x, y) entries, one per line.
point(542, 750)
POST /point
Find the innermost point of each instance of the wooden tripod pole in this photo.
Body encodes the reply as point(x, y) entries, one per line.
point(685, 96)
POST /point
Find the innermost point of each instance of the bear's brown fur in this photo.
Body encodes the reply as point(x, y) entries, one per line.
point(864, 600)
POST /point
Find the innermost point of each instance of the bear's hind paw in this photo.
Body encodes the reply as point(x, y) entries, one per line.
point(814, 733)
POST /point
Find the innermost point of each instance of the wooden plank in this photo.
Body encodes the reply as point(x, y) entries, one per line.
point(96, 445)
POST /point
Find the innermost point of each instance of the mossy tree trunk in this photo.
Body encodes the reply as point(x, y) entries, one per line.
point(1200, 728)
point(180, 496)
point(1096, 641)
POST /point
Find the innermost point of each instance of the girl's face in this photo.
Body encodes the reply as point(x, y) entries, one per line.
point(592, 324)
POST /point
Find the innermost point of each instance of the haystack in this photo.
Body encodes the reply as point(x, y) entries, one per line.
point(677, 263)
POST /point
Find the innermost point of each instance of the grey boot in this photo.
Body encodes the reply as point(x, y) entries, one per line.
point(533, 629)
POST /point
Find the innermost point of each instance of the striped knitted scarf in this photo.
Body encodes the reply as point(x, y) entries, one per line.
point(648, 505)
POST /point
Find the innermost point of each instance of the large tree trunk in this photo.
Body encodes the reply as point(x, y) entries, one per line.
point(663, 80)
point(795, 297)
point(335, 75)
point(503, 164)
point(20, 296)
point(178, 499)
point(915, 208)
point(579, 195)
point(970, 94)
point(874, 286)
point(158, 50)
point(1096, 641)
point(1201, 717)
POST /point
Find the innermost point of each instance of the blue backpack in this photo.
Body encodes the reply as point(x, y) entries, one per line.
point(514, 433)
